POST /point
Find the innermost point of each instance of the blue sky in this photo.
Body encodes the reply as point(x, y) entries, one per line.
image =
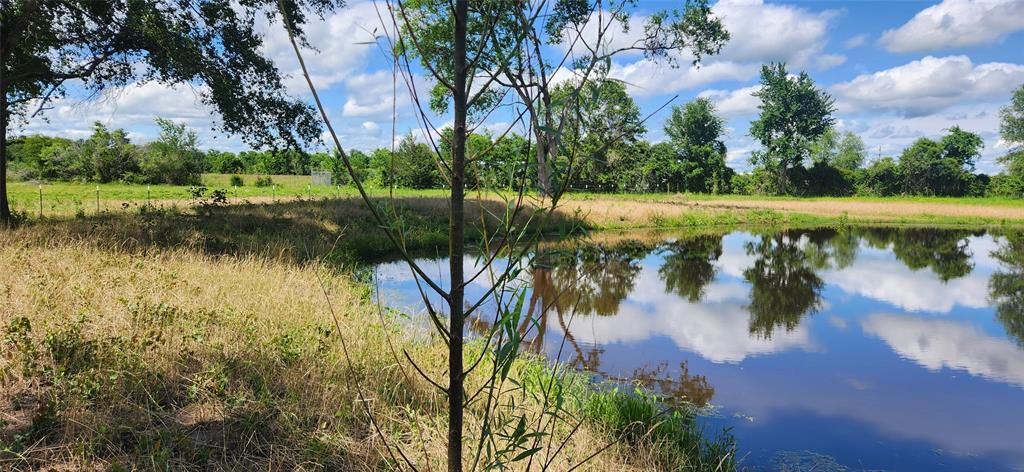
point(898, 70)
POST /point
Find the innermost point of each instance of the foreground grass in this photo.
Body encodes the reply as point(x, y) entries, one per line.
point(128, 344)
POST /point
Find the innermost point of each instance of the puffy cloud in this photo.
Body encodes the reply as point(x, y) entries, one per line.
point(646, 77)
point(760, 33)
point(341, 41)
point(937, 344)
point(771, 32)
point(928, 85)
point(956, 23)
point(732, 103)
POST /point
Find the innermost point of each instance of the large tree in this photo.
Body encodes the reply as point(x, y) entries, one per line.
point(696, 132)
point(941, 167)
point(1011, 129)
point(793, 114)
point(603, 121)
point(48, 45)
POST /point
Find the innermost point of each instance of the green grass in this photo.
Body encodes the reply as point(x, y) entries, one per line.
point(64, 198)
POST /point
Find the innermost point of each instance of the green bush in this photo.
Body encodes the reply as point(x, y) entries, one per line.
point(263, 181)
point(237, 181)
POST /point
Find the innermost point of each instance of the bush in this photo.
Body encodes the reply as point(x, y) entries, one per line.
point(237, 181)
point(263, 181)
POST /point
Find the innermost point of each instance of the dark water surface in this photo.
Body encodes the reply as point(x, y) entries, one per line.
point(861, 348)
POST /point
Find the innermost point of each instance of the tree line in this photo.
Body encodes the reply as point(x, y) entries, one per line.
point(802, 153)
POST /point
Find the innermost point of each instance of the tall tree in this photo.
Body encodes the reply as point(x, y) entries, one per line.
point(1011, 129)
point(696, 131)
point(604, 120)
point(46, 45)
point(793, 114)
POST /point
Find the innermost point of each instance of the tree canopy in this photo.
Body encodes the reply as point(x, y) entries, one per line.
point(47, 45)
point(793, 114)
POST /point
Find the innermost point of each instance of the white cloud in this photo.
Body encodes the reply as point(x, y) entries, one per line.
point(928, 85)
point(772, 32)
point(373, 95)
point(339, 40)
point(956, 23)
point(828, 61)
point(939, 344)
point(371, 127)
point(646, 77)
point(855, 41)
point(732, 103)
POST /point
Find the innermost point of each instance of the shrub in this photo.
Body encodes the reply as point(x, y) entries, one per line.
point(263, 181)
point(237, 181)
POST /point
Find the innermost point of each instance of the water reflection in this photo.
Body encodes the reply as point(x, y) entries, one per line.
point(875, 346)
point(689, 265)
point(784, 285)
point(1006, 287)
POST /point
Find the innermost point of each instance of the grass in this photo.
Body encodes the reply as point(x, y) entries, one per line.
point(597, 211)
point(180, 336)
point(197, 339)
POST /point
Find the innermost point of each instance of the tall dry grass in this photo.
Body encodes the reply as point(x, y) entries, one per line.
point(120, 355)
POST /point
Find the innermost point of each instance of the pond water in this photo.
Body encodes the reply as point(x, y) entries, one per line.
point(859, 348)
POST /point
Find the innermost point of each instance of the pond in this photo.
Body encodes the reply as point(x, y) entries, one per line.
point(859, 348)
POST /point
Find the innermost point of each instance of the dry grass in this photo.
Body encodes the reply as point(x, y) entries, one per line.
point(124, 356)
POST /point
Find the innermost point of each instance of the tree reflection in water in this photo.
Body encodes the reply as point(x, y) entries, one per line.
point(1006, 287)
point(689, 265)
point(784, 285)
point(594, 280)
point(945, 252)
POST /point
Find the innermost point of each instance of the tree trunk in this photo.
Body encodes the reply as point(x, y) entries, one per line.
point(456, 244)
point(543, 166)
point(5, 208)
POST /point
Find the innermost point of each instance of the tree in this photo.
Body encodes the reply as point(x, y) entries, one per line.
point(940, 167)
point(174, 158)
point(109, 154)
point(850, 154)
point(881, 178)
point(695, 130)
point(604, 121)
point(1011, 130)
point(511, 35)
point(47, 44)
point(793, 114)
point(415, 165)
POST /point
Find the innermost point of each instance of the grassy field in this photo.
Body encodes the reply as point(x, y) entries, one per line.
point(601, 211)
point(184, 336)
point(180, 340)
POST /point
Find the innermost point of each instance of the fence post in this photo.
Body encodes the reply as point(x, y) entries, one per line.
point(148, 198)
point(309, 191)
point(275, 192)
point(97, 199)
point(40, 201)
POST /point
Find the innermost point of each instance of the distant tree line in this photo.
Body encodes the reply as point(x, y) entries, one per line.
point(802, 153)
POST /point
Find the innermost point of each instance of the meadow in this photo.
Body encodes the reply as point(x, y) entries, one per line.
point(173, 333)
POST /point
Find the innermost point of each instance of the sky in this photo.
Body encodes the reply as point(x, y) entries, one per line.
point(898, 71)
